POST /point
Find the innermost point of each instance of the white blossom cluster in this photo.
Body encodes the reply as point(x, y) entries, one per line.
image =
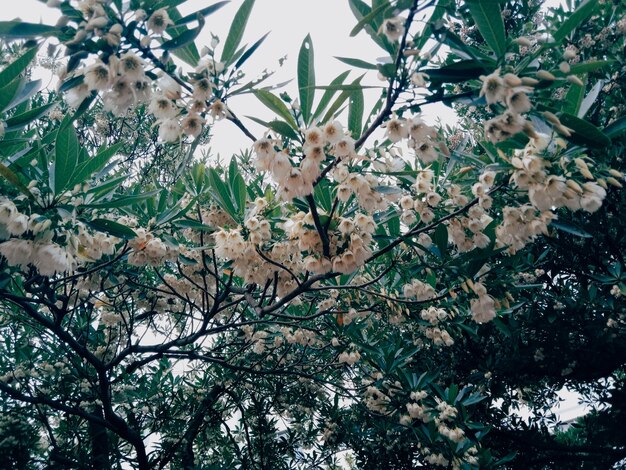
point(33, 240)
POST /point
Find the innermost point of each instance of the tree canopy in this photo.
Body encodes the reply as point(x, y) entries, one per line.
point(357, 287)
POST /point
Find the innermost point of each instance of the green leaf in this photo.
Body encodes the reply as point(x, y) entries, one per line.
point(15, 68)
point(488, 18)
point(66, 157)
point(221, 194)
point(280, 127)
point(23, 119)
point(306, 77)
point(124, 201)
point(236, 31)
point(591, 66)
point(21, 30)
point(616, 128)
point(246, 55)
point(461, 71)
point(575, 19)
point(328, 94)
point(275, 104)
point(584, 133)
point(9, 91)
point(438, 12)
point(12, 178)
point(92, 165)
point(360, 10)
point(240, 193)
point(572, 229)
point(189, 52)
point(202, 13)
point(355, 113)
point(357, 63)
point(368, 19)
point(183, 39)
point(591, 98)
point(114, 228)
point(440, 237)
point(574, 97)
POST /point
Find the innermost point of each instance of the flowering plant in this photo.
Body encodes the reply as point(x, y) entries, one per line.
point(359, 276)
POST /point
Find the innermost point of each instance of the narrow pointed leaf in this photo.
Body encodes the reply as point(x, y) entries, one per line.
point(329, 93)
point(21, 30)
point(357, 63)
point(15, 68)
point(201, 13)
point(575, 19)
point(66, 157)
point(306, 77)
point(275, 104)
point(246, 55)
point(488, 18)
point(236, 31)
point(113, 228)
point(355, 112)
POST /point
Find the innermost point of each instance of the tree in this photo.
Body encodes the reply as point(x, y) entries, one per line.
point(354, 280)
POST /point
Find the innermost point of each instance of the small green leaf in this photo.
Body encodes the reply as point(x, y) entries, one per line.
point(584, 133)
point(328, 94)
point(368, 19)
point(488, 18)
point(114, 228)
point(275, 104)
point(92, 165)
point(591, 66)
point(355, 112)
point(438, 12)
point(12, 178)
point(361, 64)
point(306, 77)
point(440, 237)
point(183, 39)
point(221, 194)
point(572, 229)
point(66, 157)
point(15, 68)
point(616, 128)
point(21, 30)
point(201, 13)
point(28, 117)
point(575, 19)
point(574, 97)
point(246, 55)
point(236, 31)
point(9, 91)
point(124, 201)
point(461, 71)
point(188, 52)
point(360, 10)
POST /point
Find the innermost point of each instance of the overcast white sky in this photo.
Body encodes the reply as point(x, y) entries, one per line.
point(328, 21)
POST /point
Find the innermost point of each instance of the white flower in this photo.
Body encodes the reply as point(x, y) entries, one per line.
point(169, 130)
point(396, 129)
point(50, 259)
point(159, 21)
point(192, 125)
point(97, 76)
point(162, 107)
point(333, 131)
point(17, 252)
point(131, 66)
point(393, 28)
point(494, 89)
point(18, 225)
